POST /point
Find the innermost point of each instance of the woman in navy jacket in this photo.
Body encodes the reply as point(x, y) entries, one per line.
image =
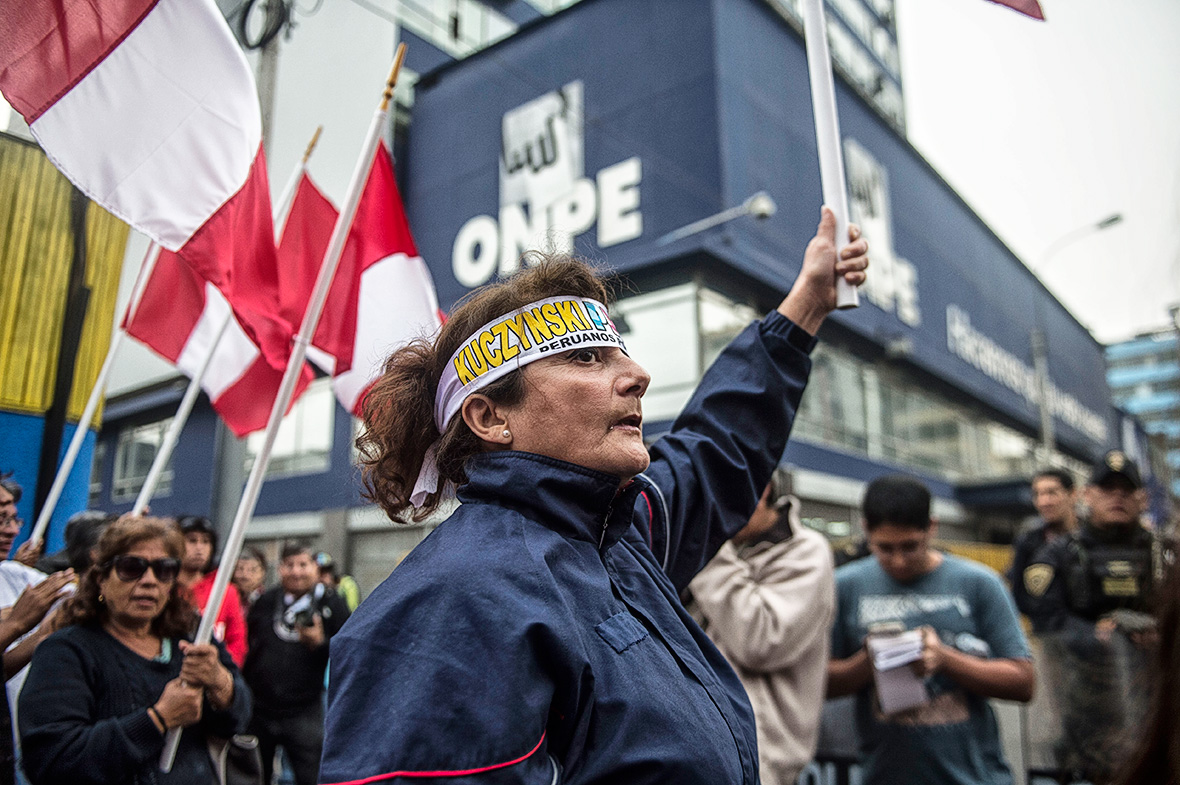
point(536, 636)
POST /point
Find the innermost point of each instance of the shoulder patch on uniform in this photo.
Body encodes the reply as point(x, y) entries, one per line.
point(1037, 579)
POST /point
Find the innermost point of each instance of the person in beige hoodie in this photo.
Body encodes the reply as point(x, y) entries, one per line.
point(767, 600)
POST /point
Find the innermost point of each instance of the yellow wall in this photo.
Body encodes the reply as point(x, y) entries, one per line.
point(35, 252)
point(998, 557)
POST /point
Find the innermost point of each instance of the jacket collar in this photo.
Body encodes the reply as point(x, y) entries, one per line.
point(572, 500)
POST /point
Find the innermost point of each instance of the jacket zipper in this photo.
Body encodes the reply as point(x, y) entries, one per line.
point(605, 524)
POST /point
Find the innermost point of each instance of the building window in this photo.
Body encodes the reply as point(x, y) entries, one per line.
point(658, 330)
point(675, 334)
point(134, 452)
point(303, 444)
point(96, 467)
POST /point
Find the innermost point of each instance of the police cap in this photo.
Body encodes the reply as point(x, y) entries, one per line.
point(1115, 463)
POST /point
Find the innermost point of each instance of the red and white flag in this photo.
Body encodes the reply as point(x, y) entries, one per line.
point(150, 108)
point(180, 316)
point(382, 295)
point(1027, 7)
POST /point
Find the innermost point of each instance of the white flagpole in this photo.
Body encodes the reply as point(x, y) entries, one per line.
point(283, 209)
point(237, 534)
point(827, 133)
point(100, 384)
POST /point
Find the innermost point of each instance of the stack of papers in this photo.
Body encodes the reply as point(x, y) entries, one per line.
point(896, 649)
point(898, 687)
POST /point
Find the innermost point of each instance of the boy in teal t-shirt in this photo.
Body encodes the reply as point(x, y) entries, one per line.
point(972, 647)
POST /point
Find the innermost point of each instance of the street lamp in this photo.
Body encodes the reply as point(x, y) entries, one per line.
point(1040, 342)
point(760, 205)
point(1076, 234)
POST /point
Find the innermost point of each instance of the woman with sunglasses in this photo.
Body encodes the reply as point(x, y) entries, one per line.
point(103, 692)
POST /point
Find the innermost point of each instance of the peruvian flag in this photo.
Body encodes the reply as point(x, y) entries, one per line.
point(180, 316)
point(382, 295)
point(1027, 7)
point(150, 108)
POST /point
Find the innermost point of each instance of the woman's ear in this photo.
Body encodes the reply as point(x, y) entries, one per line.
point(487, 421)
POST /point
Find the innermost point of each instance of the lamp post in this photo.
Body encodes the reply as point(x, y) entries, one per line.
point(1038, 340)
point(1073, 235)
point(760, 205)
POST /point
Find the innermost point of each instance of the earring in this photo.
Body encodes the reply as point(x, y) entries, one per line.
point(507, 434)
point(101, 598)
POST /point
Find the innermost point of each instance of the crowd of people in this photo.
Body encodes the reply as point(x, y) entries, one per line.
point(596, 609)
point(115, 669)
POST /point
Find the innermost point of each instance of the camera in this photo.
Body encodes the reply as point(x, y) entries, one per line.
point(305, 618)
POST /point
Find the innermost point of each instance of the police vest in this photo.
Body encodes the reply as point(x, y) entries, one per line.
point(1105, 572)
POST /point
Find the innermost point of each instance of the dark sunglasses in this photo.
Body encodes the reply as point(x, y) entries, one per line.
point(132, 568)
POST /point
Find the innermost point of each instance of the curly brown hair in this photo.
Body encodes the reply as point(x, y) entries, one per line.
point(398, 411)
point(178, 618)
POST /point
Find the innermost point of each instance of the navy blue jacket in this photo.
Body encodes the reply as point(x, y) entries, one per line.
point(537, 635)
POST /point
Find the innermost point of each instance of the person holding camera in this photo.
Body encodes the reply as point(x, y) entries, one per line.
point(289, 629)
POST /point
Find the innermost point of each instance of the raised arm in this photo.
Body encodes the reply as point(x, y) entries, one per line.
point(708, 471)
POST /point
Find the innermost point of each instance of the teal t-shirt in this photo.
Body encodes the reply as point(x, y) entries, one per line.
point(953, 739)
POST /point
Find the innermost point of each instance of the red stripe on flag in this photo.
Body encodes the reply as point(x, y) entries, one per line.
point(1027, 7)
point(378, 231)
point(245, 405)
point(234, 250)
point(48, 46)
point(169, 309)
point(172, 305)
point(301, 250)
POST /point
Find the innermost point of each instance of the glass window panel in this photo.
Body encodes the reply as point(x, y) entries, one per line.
point(135, 450)
point(96, 466)
point(659, 336)
point(721, 321)
point(303, 444)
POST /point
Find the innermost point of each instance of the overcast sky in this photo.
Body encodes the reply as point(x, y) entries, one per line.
point(1045, 127)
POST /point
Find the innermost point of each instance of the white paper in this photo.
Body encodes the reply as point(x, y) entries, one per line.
point(898, 687)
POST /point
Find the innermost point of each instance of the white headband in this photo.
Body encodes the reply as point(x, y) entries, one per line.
point(506, 344)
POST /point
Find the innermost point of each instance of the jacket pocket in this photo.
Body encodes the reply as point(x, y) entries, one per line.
point(621, 631)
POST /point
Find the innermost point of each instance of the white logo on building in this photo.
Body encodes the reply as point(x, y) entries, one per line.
point(893, 282)
point(997, 363)
point(545, 199)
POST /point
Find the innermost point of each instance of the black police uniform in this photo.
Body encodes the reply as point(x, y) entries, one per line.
point(1029, 550)
point(1108, 572)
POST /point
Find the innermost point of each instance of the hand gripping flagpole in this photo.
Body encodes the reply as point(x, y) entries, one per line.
point(100, 384)
point(827, 133)
point(237, 534)
point(282, 209)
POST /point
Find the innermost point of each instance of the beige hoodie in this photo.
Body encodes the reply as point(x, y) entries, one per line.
point(769, 609)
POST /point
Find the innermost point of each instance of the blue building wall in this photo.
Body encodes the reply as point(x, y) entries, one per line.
point(20, 453)
point(195, 459)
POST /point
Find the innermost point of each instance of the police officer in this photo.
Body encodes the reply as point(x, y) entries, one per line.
point(1092, 593)
point(1054, 496)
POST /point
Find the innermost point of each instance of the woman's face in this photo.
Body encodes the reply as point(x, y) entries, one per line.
point(136, 602)
point(583, 406)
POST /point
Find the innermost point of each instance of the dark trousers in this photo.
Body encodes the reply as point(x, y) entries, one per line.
point(301, 735)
